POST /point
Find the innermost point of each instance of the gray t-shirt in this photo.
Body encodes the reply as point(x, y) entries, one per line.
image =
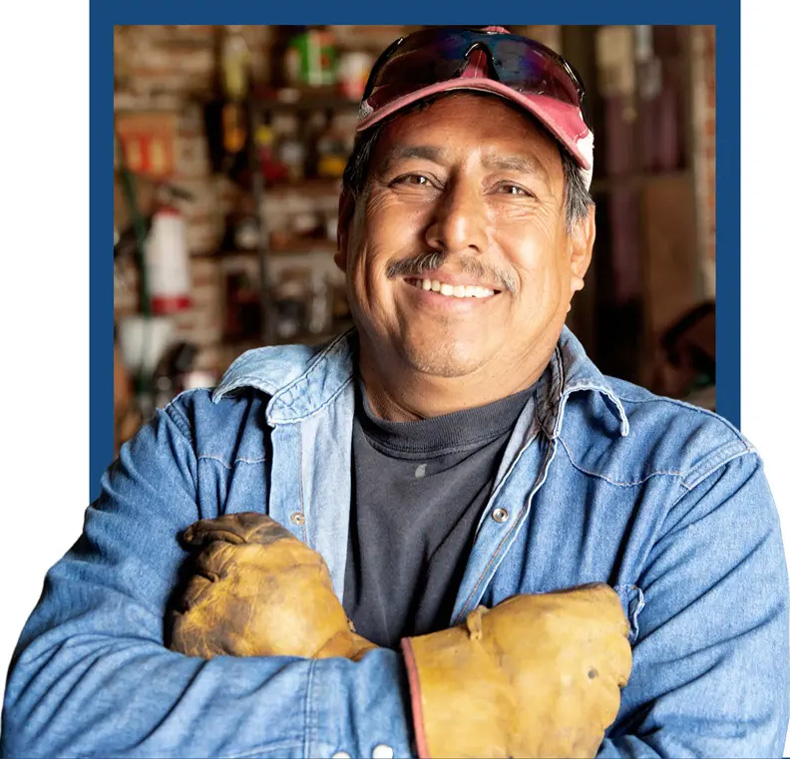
point(419, 489)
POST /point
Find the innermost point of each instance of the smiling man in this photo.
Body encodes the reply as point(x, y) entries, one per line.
point(460, 258)
point(445, 533)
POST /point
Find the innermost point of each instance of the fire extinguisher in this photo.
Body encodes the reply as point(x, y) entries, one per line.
point(167, 262)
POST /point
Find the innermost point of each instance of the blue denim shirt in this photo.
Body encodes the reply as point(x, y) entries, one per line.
point(601, 481)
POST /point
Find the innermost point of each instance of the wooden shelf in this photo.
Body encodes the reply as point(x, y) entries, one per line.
point(299, 247)
point(303, 99)
point(302, 338)
point(636, 181)
point(303, 246)
point(313, 188)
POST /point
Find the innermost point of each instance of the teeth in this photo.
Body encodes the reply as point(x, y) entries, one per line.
point(454, 291)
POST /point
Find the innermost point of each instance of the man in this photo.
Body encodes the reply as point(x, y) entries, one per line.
point(457, 451)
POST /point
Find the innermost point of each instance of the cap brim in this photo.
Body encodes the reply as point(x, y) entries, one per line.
point(563, 120)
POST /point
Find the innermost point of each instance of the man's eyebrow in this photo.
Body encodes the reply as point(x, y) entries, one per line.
point(404, 152)
point(524, 164)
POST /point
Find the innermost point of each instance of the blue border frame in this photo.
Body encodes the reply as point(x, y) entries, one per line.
point(725, 15)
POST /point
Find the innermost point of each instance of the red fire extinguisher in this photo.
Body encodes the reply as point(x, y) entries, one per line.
point(167, 262)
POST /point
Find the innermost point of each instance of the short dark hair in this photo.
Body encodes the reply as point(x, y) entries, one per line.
point(355, 177)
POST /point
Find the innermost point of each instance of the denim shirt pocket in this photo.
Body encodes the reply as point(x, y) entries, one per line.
point(633, 601)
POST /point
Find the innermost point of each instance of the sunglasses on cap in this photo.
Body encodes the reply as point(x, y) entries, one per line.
point(433, 56)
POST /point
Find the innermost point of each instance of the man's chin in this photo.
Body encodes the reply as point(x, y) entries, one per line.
point(444, 361)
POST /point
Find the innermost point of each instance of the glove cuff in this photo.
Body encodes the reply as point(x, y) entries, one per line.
point(415, 692)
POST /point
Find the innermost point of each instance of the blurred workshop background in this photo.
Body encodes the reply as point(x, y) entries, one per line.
point(230, 143)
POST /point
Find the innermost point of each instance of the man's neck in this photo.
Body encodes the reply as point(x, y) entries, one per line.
point(407, 394)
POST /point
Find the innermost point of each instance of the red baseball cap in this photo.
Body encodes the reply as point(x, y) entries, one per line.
point(491, 59)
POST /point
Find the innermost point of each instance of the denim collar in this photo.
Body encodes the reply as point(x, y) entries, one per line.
point(302, 380)
point(571, 371)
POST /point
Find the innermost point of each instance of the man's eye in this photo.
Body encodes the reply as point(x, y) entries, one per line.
point(514, 189)
point(416, 180)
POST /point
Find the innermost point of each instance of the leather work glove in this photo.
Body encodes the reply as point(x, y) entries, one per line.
point(536, 676)
point(258, 591)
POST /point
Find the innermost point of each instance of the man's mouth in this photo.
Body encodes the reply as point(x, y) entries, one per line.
point(452, 291)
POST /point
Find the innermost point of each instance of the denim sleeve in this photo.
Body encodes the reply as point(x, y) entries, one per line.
point(91, 676)
point(710, 660)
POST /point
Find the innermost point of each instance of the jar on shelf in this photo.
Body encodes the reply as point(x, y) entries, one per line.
point(293, 155)
point(353, 69)
point(332, 150)
point(311, 59)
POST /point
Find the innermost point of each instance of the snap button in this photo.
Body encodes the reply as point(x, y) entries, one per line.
point(383, 751)
point(297, 517)
point(500, 515)
point(341, 755)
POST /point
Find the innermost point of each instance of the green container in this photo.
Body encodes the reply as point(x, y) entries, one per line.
point(311, 59)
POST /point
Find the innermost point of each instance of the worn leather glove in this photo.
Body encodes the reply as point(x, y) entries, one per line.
point(258, 591)
point(536, 676)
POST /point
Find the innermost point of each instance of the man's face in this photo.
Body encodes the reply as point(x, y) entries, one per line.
point(474, 183)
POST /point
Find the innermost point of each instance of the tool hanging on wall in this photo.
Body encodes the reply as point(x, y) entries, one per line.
point(235, 62)
point(163, 268)
point(227, 122)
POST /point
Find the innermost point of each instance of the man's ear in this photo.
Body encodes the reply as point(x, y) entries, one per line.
point(582, 239)
point(345, 213)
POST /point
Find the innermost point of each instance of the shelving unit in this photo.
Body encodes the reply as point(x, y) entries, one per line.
point(274, 255)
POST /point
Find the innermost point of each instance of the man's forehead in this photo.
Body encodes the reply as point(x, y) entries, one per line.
point(501, 136)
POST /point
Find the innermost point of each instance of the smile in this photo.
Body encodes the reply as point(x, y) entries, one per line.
point(452, 291)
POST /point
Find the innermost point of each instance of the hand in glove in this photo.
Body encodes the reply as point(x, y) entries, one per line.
point(258, 591)
point(536, 676)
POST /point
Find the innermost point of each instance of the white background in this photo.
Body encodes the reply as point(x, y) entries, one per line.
point(44, 276)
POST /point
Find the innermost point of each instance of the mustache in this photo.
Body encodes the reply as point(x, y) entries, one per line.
point(433, 260)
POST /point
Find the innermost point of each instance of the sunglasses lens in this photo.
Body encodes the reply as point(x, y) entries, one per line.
point(411, 69)
point(420, 66)
point(430, 57)
point(528, 69)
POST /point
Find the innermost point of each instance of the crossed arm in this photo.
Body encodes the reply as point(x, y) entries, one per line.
point(92, 676)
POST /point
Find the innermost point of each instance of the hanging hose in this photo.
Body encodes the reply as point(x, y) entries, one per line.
point(142, 380)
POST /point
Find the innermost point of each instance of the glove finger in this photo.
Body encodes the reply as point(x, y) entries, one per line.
point(245, 527)
point(614, 661)
point(195, 591)
point(622, 660)
point(605, 606)
point(209, 567)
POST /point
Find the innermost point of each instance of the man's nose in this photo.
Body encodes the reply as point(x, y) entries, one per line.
point(459, 220)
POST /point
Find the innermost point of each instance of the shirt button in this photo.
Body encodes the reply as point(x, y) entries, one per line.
point(383, 751)
point(297, 517)
point(341, 755)
point(500, 515)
